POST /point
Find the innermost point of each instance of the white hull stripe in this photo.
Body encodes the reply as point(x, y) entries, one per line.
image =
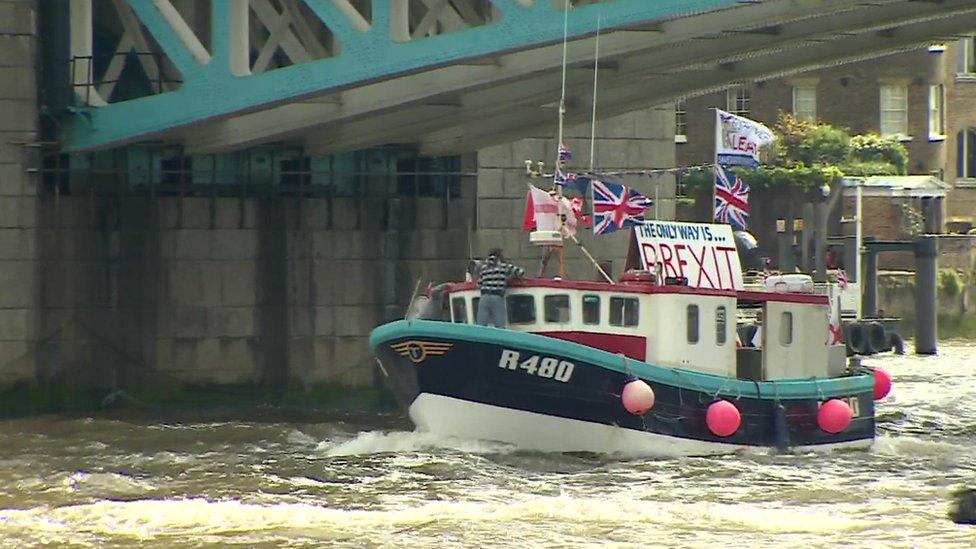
point(531, 431)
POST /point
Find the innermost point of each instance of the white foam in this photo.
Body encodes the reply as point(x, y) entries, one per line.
point(380, 442)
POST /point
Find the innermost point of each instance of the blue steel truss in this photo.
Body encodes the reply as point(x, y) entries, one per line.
point(210, 90)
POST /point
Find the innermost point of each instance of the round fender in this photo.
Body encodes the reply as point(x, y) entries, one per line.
point(877, 337)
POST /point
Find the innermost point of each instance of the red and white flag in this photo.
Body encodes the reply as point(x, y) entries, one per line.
point(542, 211)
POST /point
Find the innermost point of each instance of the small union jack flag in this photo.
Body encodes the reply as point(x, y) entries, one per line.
point(616, 207)
point(731, 199)
point(565, 153)
point(841, 279)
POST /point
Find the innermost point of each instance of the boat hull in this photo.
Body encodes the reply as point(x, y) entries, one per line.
point(546, 394)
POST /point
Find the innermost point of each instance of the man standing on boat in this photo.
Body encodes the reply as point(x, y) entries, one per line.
point(493, 277)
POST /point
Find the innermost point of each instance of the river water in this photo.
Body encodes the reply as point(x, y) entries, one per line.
point(102, 482)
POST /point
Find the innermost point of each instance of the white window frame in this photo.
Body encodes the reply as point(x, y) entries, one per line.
point(893, 101)
point(805, 108)
point(681, 122)
point(937, 112)
point(737, 100)
point(963, 151)
point(966, 58)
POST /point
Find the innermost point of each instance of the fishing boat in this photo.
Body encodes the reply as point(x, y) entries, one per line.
point(676, 357)
point(658, 362)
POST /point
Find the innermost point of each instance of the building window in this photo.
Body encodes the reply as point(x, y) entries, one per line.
point(805, 102)
point(720, 325)
point(623, 311)
point(556, 308)
point(459, 310)
point(965, 59)
point(966, 154)
point(591, 309)
point(936, 112)
point(681, 122)
point(737, 100)
point(521, 309)
point(894, 110)
point(692, 323)
point(786, 329)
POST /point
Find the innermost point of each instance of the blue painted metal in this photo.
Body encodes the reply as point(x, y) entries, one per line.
point(211, 91)
point(787, 389)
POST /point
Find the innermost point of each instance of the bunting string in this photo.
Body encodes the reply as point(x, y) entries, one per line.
point(560, 177)
point(653, 172)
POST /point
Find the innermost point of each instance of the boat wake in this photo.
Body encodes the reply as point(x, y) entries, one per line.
point(385, 442)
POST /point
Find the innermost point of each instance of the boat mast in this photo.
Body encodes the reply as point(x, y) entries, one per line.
point(562, 94)
point(560, 163)
point(596, 68)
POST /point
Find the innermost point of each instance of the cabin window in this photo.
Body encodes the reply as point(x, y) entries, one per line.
point(692, 323)
point(623, 311)
point(591, 309)
point(720, 329)
point(786, 329)
point(556, 308)
point(459, 310)
point(474, 309)
point(521, 309)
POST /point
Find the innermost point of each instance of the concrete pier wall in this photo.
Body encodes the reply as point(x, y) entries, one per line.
point(19, 305)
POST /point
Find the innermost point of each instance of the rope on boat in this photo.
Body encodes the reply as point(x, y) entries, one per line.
point(623, 357)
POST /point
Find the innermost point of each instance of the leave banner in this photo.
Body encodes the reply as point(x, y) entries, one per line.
point(703, 253)
point(738, 139)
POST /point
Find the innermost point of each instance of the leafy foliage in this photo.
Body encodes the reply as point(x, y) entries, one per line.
point(872, 148)
point(807, 143)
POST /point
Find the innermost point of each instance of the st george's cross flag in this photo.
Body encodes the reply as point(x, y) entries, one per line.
point(731, 199)
point(615, 207)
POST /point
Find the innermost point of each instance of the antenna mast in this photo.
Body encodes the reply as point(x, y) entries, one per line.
point(562, 95)
point(596, 67)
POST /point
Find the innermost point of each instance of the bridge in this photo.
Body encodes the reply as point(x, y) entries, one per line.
point(446, 76)
point(202, 191)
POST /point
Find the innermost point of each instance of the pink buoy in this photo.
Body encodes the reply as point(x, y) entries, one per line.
point(722, 418)
point(834, 416)
point(638, 397)
point(882, 383)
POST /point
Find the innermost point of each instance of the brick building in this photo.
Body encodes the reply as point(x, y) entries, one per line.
point(926, 96)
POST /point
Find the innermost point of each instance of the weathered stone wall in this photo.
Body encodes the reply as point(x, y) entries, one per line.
point(18, 189)
point(193, 290)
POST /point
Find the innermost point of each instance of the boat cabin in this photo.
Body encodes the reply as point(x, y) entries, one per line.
point(672, 324)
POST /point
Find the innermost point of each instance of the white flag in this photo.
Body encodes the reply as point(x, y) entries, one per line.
point(738, 139)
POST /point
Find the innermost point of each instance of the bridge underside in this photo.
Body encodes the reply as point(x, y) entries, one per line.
point(456, 76)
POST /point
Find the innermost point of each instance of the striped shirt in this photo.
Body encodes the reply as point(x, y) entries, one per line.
point(494, 276)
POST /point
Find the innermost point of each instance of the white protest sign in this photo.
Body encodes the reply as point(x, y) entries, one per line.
point(703, 253)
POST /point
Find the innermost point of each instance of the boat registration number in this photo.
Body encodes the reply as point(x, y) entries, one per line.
point(547, 366)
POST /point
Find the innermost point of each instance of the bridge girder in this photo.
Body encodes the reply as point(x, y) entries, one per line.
point(462, 90)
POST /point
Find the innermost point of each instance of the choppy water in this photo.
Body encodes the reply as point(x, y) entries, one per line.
point(108, 483)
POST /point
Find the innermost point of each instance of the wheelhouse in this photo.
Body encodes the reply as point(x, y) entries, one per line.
point(671, 324)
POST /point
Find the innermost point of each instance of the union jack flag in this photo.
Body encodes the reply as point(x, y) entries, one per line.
point(565, 153)
point(616, 207)
point(841, 279)
point(731, 199)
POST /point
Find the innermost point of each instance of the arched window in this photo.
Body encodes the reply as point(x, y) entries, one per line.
point(966, 154)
